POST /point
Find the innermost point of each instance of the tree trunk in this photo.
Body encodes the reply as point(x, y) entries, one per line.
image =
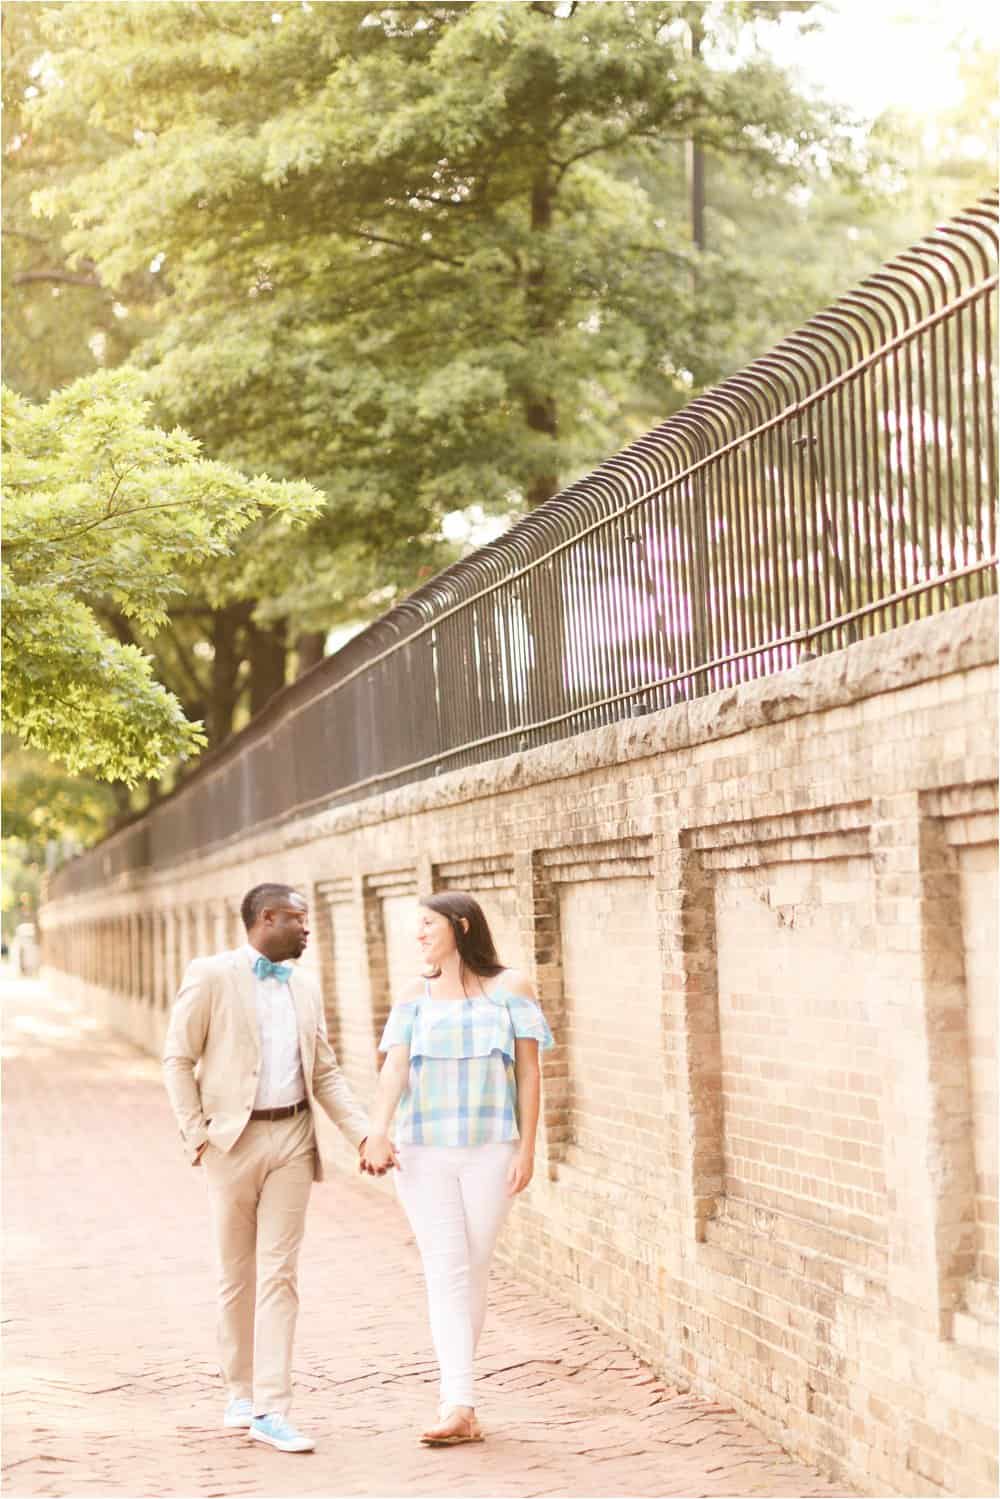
point(178, 674)
point(696, 180)
point(226, 625)
point(540, 411)
point(309, 650)
point(123, 803)
point(541, 417)
point(545, 688)
point(696, 151)
point(267, 650)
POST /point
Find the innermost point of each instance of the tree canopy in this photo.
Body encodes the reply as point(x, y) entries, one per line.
point(409, 251)
point(104, 508)
point(60, 321)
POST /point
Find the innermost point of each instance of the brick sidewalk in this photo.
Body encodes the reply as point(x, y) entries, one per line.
point(111, 1386)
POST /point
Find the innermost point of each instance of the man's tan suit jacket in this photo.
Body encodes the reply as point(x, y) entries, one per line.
point(211, 1058)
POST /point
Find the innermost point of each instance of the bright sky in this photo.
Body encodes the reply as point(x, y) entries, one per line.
point(874, 55)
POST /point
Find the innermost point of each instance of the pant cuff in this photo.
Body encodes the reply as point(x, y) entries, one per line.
point(458, 1395)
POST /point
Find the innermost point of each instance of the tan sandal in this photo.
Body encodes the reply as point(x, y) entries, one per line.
point(472, 1433)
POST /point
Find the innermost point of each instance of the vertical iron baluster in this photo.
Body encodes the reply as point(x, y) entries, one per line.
point(938, 545)
point(926, 544)
point(910, 547)
point(743, 521)
point(617, 595)
point(680, 544)
point(723, 554)
point(990, 405)
point(837, 438)
point(973, 499)
point(853, 497)
point(814, 512)
point(532, 604)
point(965, 588)
point(699, 576)
point(579, 583)
point(885, 426)
point(706, 555)
point(873, 547)
point(555, 645)
point(797, 535)
point(774, 440)
point(638, 650)
point(652, 554)
point(950, 438)
point(673, 586)
point(765, 555)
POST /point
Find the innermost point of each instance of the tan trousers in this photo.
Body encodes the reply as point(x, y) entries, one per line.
point(259, 1192)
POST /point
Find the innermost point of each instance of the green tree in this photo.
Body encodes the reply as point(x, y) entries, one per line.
point(106, 511)
point(43, 803)
point(410, 251)
point(401, 260)
point(407, 253)
point(60, 321)
point(48, 814)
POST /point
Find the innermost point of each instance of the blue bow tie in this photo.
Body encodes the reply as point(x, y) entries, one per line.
point(265, 969)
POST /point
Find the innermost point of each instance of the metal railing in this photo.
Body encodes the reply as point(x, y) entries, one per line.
point(839, 486)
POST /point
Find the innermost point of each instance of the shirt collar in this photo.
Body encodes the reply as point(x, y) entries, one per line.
point(251, 954)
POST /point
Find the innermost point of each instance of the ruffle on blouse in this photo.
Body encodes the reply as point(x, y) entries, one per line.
point(528, 1021)
point(478, 1028)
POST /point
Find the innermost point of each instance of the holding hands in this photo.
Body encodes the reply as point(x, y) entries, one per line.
point(378, 1155)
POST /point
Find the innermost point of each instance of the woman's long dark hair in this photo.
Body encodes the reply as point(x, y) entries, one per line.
point(475, 944)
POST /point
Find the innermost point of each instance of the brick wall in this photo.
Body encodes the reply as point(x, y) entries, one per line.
point(610, 1028)
point(801, 1075)
point(399, 913)
point(763, 928)
point(977, 865)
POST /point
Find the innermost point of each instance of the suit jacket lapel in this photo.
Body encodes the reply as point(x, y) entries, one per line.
point(246, 984)
point(299, 985)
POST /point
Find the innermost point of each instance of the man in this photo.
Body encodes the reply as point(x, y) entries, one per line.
point(245, 1061)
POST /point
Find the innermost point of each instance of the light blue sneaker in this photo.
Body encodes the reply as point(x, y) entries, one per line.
point(279, 1433)
point(239, 1412)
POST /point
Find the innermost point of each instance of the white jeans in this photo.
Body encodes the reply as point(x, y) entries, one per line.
point(455, 1197)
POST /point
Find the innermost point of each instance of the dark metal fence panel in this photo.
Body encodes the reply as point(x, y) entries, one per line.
point(840, 486)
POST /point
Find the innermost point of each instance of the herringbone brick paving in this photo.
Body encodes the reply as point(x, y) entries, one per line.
point(111, 1384)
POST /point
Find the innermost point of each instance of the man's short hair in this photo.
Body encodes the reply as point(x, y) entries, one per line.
point(263, 896)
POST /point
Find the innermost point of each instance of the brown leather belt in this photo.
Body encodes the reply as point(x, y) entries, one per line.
point(286, 1113)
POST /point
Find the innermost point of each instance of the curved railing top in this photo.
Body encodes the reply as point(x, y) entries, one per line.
point(921, 293)
point(908, 291)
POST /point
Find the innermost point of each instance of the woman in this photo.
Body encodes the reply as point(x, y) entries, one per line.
point(462, 1065)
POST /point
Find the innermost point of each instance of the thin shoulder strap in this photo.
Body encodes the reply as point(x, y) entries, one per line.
point(418, 1001)
point(500, 996)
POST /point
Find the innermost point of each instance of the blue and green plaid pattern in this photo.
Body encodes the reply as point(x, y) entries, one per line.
point(462, 1086)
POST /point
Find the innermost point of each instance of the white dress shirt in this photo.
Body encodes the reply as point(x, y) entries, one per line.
point(281, 1081)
